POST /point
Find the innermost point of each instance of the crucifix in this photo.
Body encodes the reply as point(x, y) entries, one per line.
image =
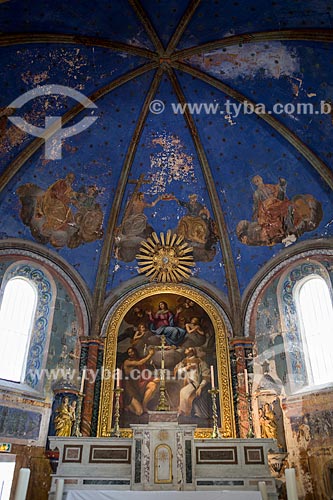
point(163, 404)
point(138, 183)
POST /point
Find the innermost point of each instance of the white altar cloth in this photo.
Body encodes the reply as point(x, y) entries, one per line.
point(162, 495)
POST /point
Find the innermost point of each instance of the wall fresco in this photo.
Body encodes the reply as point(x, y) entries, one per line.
point(19, 424)
point(269, 340)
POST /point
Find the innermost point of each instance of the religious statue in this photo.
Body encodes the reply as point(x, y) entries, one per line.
point(268, 425)
point(65, 417)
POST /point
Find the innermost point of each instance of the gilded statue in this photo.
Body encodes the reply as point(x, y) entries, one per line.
point(65, 417)
point(268, 425)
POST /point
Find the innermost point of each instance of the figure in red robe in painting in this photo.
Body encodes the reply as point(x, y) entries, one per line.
point(277, 219)
point(272, 209)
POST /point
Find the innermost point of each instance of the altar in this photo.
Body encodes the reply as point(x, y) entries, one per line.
point(162, 456)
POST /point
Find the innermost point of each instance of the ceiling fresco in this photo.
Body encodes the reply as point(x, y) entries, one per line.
point(211, 119)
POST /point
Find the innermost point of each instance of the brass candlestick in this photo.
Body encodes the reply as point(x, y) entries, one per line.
point(116, 430)
point(76, 431)
point(163, 404)
point(215, 432)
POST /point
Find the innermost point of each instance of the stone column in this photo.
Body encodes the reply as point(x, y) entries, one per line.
point(97, 392)
point(89, 350)
point(241, 350)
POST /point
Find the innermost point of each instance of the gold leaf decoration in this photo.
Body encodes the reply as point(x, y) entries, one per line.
point(166, 259)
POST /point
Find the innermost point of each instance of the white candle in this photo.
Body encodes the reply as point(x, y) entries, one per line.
point(83, 379)
point(291, 484)
point(246, 381)
point(212, 376)
point(263, 490)
point(22, 484)
point(59, 489)
point(117, 378)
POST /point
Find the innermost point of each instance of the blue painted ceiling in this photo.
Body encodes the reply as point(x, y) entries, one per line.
point(125, 54)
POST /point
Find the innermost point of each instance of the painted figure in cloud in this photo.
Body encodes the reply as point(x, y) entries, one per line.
point(164, 322)
point(134, 226)
point(135, 221)
point(55, 204)
point(60, 215)
point(197, 227)
point(276, 218)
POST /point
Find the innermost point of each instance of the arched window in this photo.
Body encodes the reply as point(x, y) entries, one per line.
point(17, 312)
point(315, 313)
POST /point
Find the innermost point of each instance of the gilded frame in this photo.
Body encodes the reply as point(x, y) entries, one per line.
point(228, 429)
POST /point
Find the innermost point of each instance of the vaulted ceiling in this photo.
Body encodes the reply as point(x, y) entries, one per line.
point(139, 63)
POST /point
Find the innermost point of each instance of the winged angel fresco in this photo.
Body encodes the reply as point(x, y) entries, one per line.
point(276, 218)
point(59, 215)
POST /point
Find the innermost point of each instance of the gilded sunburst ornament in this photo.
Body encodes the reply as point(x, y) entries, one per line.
point(167, 259)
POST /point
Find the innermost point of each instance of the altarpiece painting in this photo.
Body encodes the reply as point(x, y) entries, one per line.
point(175, 329)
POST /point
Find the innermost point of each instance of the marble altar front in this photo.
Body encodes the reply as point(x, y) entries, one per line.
point(163, 455)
